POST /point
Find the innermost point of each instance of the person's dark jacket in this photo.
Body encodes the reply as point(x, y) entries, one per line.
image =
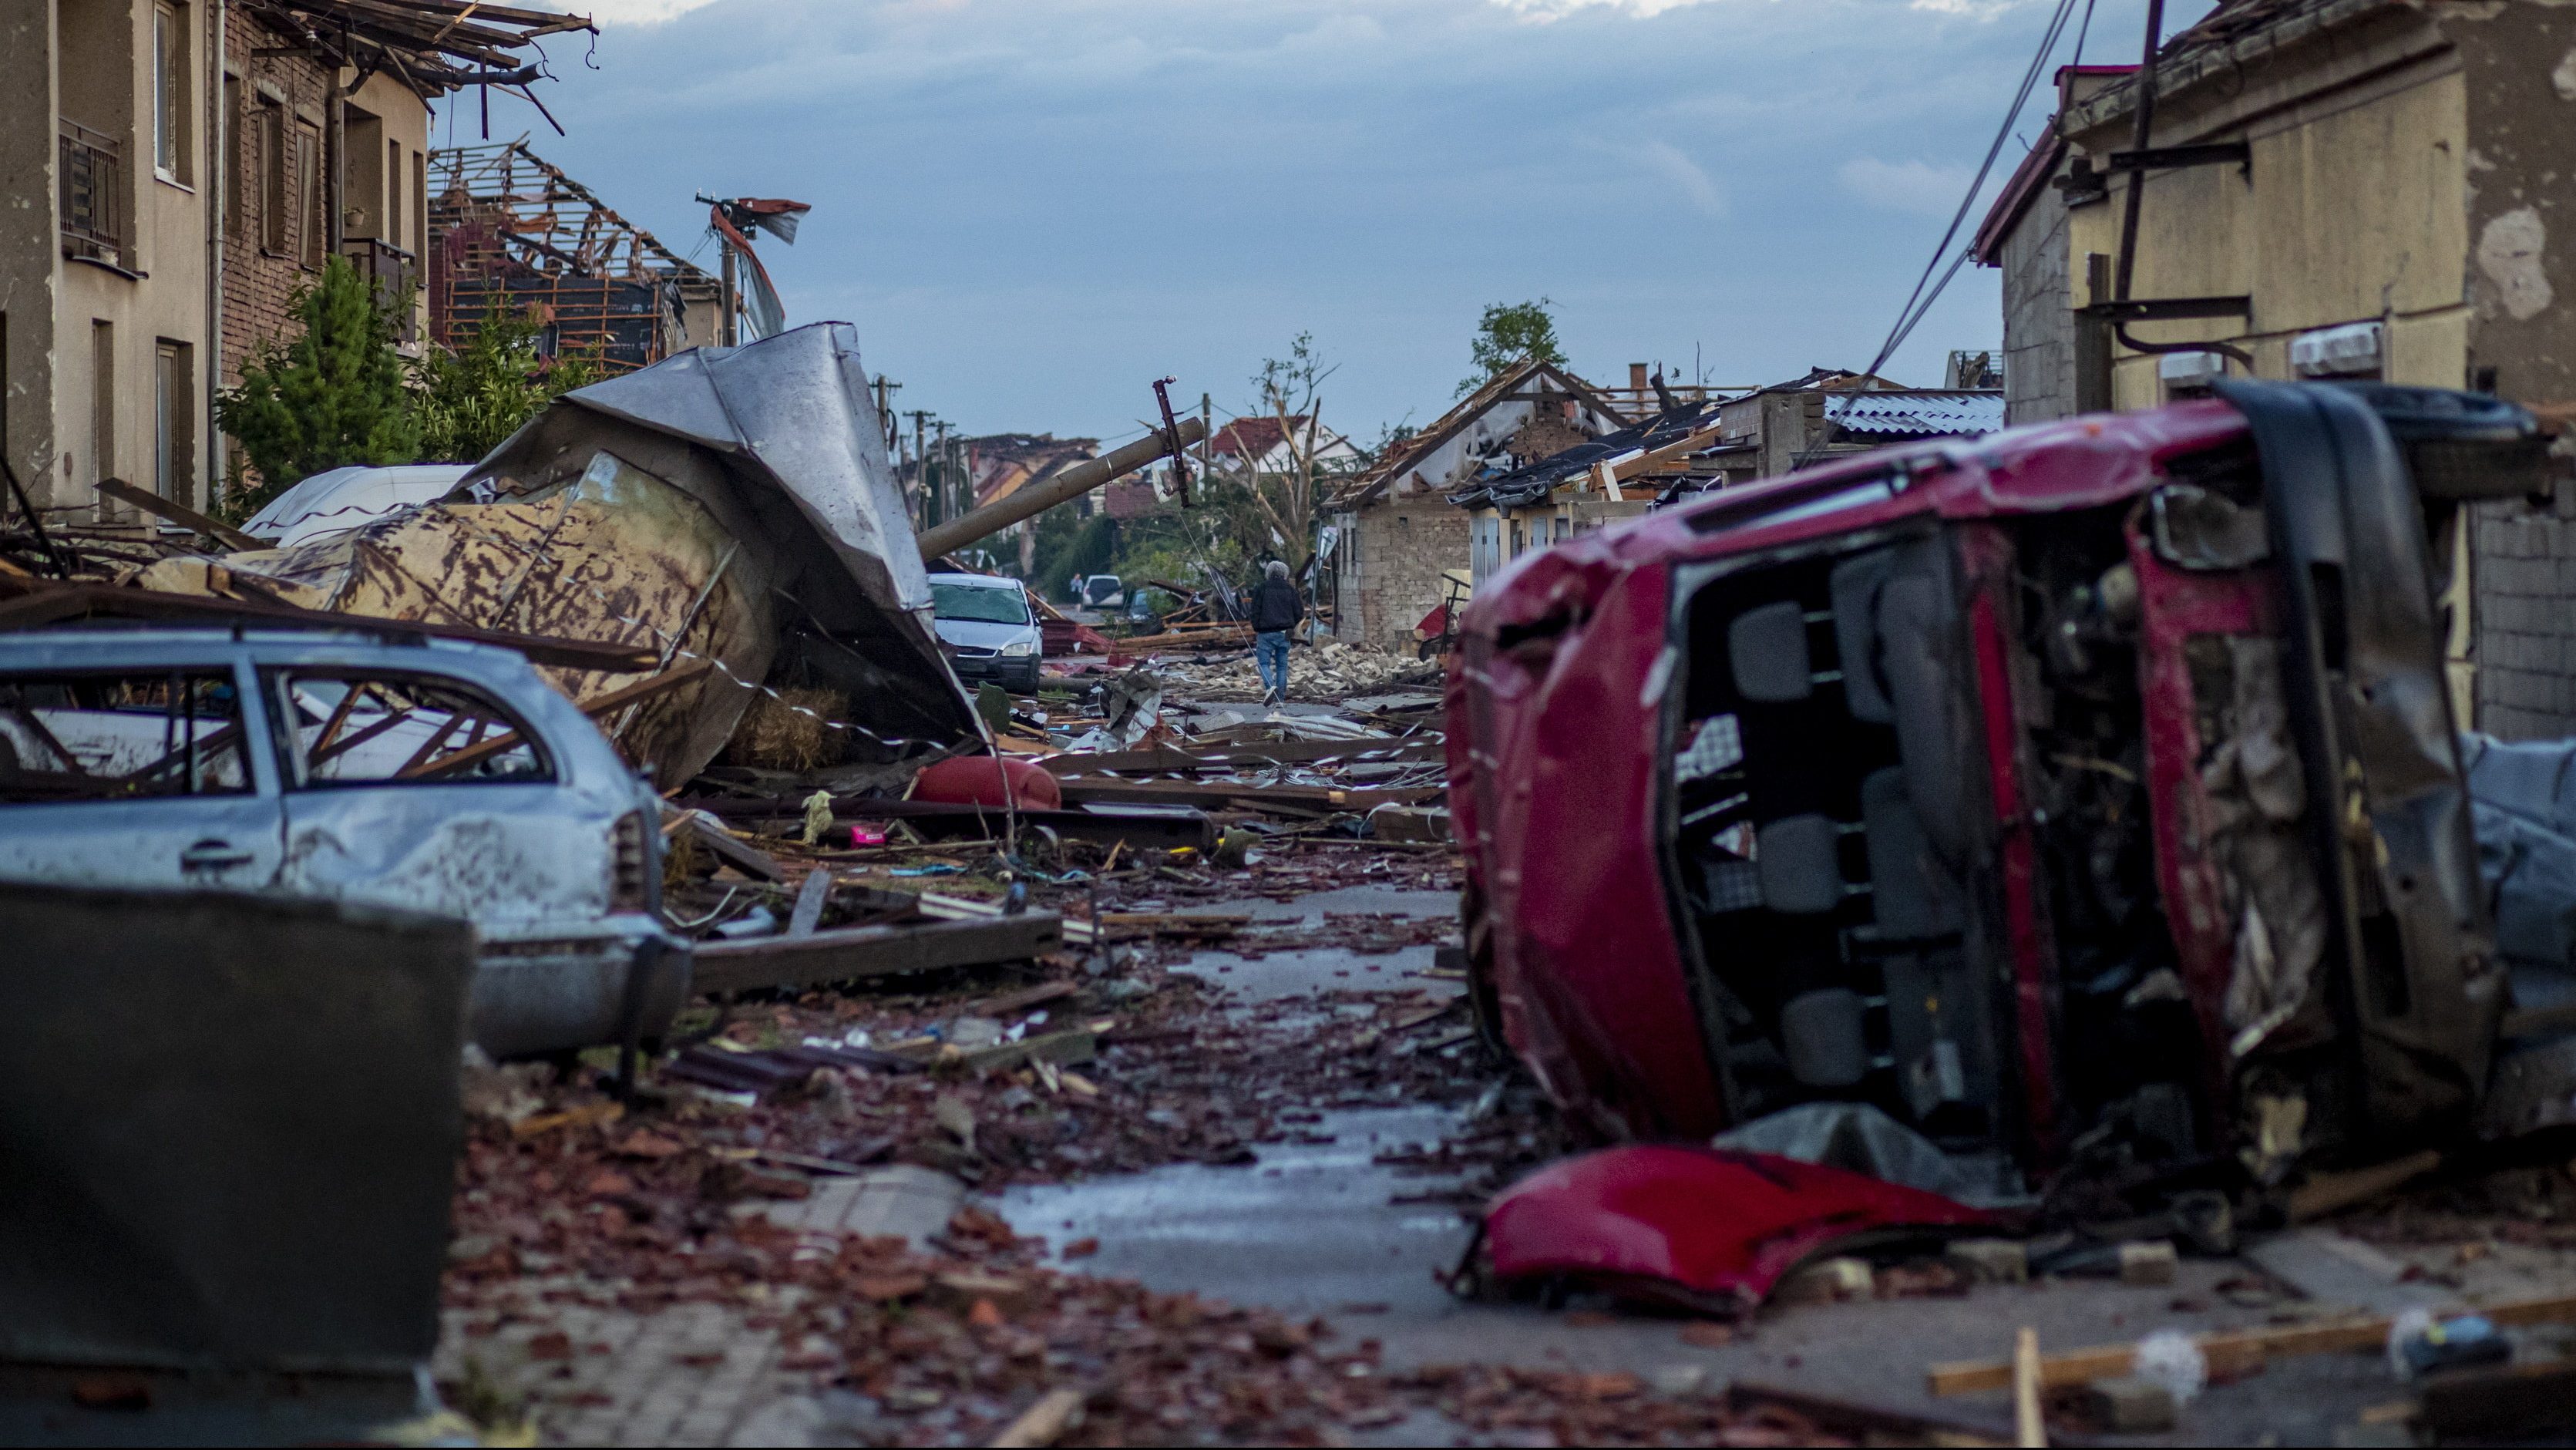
point(1276, 606)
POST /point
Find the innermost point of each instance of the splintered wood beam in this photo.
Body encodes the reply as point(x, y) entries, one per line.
point(872, 951)
point(185, 517)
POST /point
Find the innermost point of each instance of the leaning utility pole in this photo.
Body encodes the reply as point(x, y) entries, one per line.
point(1036, 499)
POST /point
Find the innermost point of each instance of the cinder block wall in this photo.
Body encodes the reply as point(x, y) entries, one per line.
point(1403, 549)
point(2526, 618)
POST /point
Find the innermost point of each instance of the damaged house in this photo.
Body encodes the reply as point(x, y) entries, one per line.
point(2332, 189)
point(1399, 539)
point(1830, 413)
point(1701, 444)
point(509, 232)
point(189, 166)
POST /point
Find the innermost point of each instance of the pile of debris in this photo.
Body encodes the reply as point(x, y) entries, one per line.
point(1331, 670)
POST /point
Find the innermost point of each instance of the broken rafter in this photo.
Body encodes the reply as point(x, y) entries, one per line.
point(419, 38)
point(487, 175)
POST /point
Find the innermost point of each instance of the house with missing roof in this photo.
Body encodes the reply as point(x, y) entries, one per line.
point(1697, 445)
point(1396, 536)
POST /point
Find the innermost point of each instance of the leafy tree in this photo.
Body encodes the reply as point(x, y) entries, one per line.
point(331, 398)
point(471, 399)
point(1508, 333)
point(1274, 511)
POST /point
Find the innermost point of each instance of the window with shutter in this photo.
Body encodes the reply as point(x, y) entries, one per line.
point(275, 193)
point(308, 193)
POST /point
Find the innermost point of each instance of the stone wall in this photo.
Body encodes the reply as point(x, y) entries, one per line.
point(1395, 575)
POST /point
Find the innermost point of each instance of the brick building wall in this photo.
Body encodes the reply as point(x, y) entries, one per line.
point(1394, 575)
point(2525, 623)
point(267, 99)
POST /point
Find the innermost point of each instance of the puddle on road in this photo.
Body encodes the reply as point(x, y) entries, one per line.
point(1309, 1229)
point(1299, 971)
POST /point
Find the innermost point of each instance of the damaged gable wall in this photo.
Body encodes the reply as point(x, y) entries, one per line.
point(2407, 165)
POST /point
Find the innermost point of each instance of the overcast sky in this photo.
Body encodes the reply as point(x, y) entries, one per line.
point(1033, 208)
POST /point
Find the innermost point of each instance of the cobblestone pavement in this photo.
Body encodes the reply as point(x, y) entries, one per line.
point(593, 1373)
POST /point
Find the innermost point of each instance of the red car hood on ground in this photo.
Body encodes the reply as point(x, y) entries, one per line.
point(1711, 1229)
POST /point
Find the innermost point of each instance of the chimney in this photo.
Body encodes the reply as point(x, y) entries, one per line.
point(1637, 378)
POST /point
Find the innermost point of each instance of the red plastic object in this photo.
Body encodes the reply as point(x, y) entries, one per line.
point(1699, 1226)
point(862, 836)
point(981, 780)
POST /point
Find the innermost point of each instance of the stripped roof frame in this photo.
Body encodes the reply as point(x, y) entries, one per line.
point(426, 44)
point(553, 217)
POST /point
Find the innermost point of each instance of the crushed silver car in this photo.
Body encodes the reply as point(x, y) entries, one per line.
point(439, 777)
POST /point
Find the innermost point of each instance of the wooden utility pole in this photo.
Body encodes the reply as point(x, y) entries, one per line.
point(944, 477)
point(885, 415)
point(1037, 498)
point(920, 466)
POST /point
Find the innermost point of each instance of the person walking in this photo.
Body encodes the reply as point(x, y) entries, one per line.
point(1277, 608)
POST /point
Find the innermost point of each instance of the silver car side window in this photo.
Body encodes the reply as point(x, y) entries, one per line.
point(356, 727)
point(120, 735)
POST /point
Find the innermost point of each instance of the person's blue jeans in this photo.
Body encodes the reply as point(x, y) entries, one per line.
point(1270, 657)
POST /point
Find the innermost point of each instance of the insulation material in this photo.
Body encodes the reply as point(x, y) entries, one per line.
point(620, 557)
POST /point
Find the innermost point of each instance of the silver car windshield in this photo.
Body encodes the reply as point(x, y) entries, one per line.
point(982, 605)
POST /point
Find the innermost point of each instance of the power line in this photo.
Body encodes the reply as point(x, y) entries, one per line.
point(1918, 302)
point(2081, 31)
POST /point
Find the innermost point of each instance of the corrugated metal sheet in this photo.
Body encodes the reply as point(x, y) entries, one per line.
point(1919, 414)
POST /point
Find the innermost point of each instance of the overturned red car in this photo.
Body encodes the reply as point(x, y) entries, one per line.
point(2085, 793)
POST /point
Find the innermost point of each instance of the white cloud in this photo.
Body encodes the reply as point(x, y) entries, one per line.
point(1543, 10)
point(1687, 176)
point(1916, 187)
point(635, 12)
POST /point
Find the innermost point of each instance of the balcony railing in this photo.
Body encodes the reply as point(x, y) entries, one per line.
point(91, 178)
point(392, 271)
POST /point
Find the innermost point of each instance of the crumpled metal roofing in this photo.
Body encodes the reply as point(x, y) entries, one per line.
point(1917, 413)
point(1536, 481)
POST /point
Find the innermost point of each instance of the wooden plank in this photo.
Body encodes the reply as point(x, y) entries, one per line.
point(810, 901)
point(2230, 1352)
point(2326, 1193)
point(2029, 1430)
point(746, 859)
point(1279, 752)
point(1218, 795)
point(872, 951)
point(186, 518)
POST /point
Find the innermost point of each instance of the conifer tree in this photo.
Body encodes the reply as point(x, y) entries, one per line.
point(332, 397)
